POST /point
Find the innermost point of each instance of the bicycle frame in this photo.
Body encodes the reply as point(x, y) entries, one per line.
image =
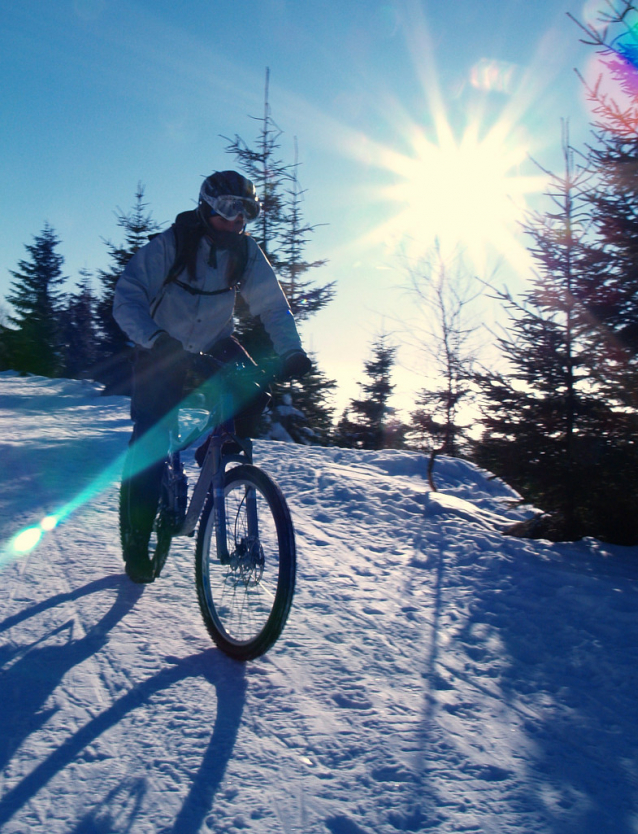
point(211, 479)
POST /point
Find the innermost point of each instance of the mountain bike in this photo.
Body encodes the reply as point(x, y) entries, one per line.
point(245, 558)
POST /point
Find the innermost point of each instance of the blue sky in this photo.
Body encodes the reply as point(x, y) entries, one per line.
point(98, 95)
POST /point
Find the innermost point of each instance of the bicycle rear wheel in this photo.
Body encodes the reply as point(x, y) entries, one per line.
point(162, 531)
point(159, 545)
point(245, 603)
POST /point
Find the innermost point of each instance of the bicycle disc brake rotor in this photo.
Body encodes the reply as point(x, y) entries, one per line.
point(247, 561)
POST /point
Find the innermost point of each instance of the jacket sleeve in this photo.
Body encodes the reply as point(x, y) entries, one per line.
point(138, 286)
point(265, 298)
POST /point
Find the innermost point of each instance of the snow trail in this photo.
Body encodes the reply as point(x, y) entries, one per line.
point(434, 675)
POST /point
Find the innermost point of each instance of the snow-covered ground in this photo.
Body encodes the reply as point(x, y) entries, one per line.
point(434, 675)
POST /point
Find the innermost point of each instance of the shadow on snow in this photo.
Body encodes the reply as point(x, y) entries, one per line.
point(29, 675)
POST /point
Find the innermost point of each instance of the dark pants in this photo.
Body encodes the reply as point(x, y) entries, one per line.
point(157, 390)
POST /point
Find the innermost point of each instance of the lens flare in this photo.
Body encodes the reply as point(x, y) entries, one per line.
point(28, 539)
point(25, 541)
point(50, 522)
point(149, 449)
point(611, 75)
point(493, 76)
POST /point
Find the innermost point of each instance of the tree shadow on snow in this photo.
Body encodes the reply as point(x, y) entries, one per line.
point(566, 669)
point(30, 676)
point(570, 640)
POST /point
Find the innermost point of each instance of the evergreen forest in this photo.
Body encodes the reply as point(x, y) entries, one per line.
point(556, 415)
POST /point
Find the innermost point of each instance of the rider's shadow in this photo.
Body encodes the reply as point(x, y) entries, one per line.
point(30, 676)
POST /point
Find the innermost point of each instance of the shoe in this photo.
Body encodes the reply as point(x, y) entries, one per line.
point(139, 568)
point(140, 575)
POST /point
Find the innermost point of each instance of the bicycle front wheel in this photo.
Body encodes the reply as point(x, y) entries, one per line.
point(245, 597)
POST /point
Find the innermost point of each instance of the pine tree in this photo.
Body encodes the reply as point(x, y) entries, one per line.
point(283, 234)
point(614, 36)
point(280, 230)
point(112, 362)
point(303, 410)
point(5, 338)
point(35, 296)
point(548, 428)
point(305, 402)
point(613, 159)
point(304, 297)
point(269, 175)
point(78, 331)
point(365, 421)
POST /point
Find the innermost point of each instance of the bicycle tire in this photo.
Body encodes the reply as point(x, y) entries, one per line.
point(159, 546)
point(161, 536)
point(245, 604)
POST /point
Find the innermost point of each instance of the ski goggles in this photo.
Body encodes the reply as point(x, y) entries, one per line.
point(230, 207)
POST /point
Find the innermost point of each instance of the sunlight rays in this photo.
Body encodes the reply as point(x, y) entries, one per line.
point(466, 194)
point(465, 191)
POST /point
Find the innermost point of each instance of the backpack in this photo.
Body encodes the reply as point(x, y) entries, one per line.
point(188, 231)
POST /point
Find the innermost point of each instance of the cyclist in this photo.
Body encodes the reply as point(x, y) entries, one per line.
point(175, 301)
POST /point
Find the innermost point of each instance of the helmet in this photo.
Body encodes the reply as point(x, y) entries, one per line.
point(228, 194)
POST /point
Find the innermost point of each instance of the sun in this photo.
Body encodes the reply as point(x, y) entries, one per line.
point(464, 190)
point(464, 195)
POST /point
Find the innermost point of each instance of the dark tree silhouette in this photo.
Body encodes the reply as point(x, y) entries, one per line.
point(33, 346)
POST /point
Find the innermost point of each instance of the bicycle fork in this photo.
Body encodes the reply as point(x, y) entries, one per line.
point(239, 539)
point(219, 507)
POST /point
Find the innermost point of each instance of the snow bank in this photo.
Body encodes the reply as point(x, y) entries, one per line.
point(434, 675)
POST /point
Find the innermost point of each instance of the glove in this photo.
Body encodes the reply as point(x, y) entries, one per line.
point(167, 349)
point(294, 365)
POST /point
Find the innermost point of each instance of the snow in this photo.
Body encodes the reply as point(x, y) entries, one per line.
point(434, 674)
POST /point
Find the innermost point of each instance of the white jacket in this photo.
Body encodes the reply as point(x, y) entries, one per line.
point(198, 321)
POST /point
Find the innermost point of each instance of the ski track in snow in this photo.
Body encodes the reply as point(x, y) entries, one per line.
point(434, 675)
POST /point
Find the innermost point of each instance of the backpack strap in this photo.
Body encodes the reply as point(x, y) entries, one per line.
point(194, 291)
point(188, 231)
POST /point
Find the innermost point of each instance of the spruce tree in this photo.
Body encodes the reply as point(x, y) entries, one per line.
point(269, 175)
point(304, 297)
point(549, 429)
point(5, 338)
point(283, 234)
point(303, 410)
point(78, 334)
point(112, 362)
point(35, 295)
point(305, 401)
point(613, 159)
point(364, 423)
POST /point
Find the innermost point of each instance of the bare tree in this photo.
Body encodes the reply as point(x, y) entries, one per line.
point(443, 290)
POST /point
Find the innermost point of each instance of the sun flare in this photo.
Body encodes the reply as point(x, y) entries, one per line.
point(464, 195)
point(464, 190)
